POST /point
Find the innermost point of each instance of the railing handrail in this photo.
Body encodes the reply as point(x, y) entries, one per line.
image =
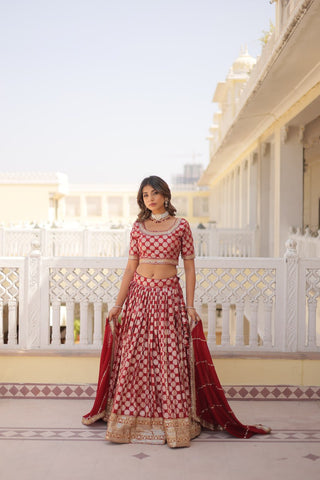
point(248, 304)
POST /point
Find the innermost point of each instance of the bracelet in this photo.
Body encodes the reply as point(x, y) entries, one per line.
point(117, 306)
point(192, 308)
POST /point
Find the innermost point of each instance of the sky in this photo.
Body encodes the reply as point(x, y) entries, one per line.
point(111, 91)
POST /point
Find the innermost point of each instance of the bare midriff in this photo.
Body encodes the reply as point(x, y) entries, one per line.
point(150, 270)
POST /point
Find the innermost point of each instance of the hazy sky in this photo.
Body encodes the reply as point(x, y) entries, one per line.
point(112, 91)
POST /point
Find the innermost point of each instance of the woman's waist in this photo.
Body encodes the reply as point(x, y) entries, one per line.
point(148, 281)
point(159, 271)
point(158, 261)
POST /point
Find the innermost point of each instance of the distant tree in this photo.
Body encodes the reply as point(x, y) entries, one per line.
point(267, 34)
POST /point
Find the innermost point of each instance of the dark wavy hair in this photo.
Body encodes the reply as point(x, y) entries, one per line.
point(160, 186)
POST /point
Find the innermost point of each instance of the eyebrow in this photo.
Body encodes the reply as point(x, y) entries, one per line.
point(146, 193)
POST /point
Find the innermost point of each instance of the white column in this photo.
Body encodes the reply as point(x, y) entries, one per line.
point(237, 198)
point(264, 199)
point(241, 195)
point(288, 185)
point(253, 189)
point(249, 198)
point(229, 201)
point(244, 195)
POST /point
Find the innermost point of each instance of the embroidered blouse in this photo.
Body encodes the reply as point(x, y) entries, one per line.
point(162, 247)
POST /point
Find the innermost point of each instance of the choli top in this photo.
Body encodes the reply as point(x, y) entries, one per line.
point(161, 247)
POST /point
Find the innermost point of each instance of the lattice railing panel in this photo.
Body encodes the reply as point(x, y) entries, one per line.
point(84, 284)
point(236, 284)
point(9, 283)
point(19, 243)
point(9, 297)
point(312, 333)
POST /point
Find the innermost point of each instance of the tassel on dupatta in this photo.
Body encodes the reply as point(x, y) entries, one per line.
point(212, 408)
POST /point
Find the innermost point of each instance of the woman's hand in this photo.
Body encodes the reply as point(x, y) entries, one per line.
point(193, 316)
point(114, 315)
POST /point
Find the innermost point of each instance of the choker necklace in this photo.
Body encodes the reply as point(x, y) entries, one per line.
point(158, 217)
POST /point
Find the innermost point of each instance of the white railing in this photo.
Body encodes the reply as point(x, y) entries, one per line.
point(308, 244)
point(247, 304)
point(84, 242)
point(225, 242)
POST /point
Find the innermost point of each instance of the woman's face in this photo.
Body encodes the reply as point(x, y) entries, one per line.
point(153, 200)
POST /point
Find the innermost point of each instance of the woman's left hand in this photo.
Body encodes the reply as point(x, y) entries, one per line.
point(194, 317)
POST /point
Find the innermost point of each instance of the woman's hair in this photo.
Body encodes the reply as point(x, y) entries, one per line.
point(160, 186)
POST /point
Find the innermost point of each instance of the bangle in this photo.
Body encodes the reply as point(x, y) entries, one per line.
point(192, 308)
point(117, 306)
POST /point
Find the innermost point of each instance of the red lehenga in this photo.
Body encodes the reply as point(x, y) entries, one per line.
point(157, 382)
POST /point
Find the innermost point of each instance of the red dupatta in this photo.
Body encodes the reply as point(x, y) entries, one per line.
point(212, 407)
point(98, 410)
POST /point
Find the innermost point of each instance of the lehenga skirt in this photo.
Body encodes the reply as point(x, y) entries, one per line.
point(157, 382)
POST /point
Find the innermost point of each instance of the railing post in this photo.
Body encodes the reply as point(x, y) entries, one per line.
point(253, 336)
point(214, 241)
point(84, 322)
point(2, 240)
point(239, 323)
point(1, 322)
point(97, 333)
point(12, 322)
point(312, 323)
point(33, 296)
point(212, 312)
point(291, 297)
point(55, 338)
point(44, 242)
point(85, 242)
point(225, 337)
point(70, 322)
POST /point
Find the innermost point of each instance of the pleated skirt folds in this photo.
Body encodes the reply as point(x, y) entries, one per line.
point(150, 397)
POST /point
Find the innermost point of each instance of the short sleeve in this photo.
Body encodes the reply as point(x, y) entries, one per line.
point(187, 246)
point(134, 248)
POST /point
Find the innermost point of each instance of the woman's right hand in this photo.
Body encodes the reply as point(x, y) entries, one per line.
point(114, 315)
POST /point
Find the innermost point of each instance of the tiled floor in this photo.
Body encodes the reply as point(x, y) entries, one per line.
point(44, 439)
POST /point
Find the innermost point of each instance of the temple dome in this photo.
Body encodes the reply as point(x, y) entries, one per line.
point(244, 63)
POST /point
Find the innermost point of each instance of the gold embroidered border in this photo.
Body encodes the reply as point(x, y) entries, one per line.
point(176, 432)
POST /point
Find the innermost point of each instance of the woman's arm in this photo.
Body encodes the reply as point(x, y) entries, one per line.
point(123, 291)
point(190, 281)
point(190, 273)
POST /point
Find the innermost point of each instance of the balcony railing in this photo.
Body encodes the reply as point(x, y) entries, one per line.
point(247, 304)
point(84, 242)
point(308, 243)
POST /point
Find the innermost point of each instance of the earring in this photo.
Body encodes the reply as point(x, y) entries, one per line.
point(166, 203)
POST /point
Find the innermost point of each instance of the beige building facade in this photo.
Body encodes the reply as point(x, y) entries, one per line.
point(264, 168)
point(49, 198)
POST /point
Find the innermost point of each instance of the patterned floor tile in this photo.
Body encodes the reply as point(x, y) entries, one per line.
point(98, 434)
point(243, 392)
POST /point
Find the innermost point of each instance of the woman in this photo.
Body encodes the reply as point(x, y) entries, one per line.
point(157, 383)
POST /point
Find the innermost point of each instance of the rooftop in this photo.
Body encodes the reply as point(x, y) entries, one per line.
point(44, 438)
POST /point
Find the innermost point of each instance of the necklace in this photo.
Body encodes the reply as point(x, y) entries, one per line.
point(159, 217)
